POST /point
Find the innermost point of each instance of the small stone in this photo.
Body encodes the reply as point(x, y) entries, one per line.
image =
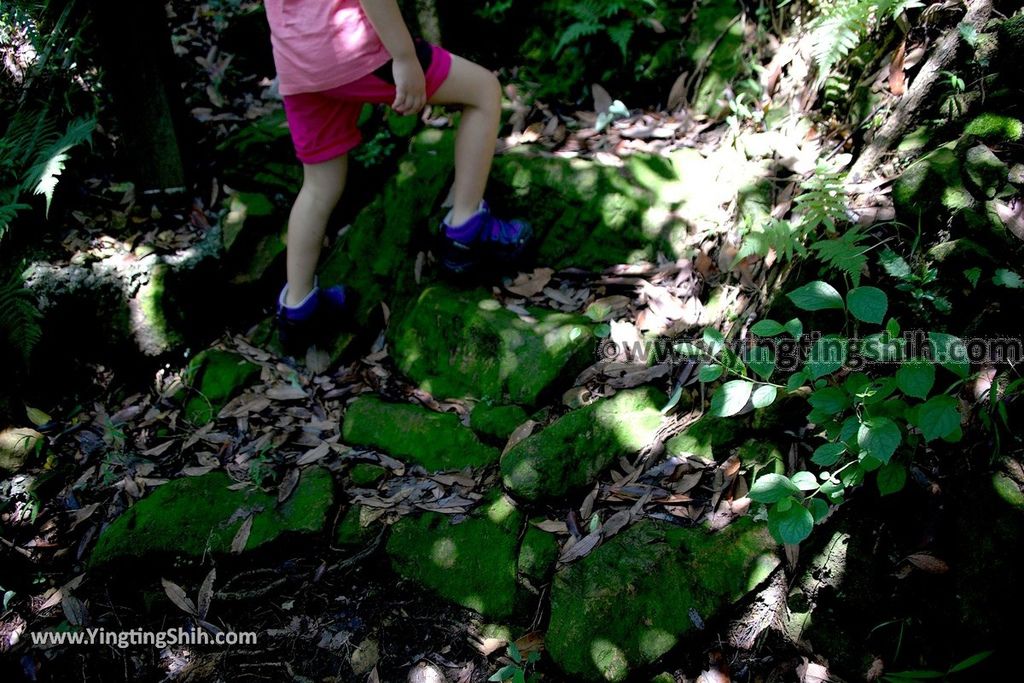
point(986, 172)
point(496, 421)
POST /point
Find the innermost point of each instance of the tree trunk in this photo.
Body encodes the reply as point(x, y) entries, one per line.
point(908, 111)
point(139, 72)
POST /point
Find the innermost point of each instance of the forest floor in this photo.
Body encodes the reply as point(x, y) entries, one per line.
point(340, 595)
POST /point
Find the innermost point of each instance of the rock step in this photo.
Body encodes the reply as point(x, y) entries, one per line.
point(193, 516)
point(633, 598)
point(414, 434)
point(572, 451)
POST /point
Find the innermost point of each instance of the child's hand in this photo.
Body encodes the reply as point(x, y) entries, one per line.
point(410, 86)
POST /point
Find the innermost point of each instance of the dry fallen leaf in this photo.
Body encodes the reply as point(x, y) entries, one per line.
point(177, 595)
point(242, 536)
point(928, 563)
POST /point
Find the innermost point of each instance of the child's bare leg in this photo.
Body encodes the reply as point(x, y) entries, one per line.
point(322, 185)
point(478, 91)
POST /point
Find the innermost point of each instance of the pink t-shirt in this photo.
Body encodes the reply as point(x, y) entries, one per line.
point(321, 44)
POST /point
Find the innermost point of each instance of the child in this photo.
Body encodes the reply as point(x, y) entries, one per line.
point(332, 56)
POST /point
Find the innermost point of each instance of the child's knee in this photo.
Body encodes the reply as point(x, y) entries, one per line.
point(490, 94)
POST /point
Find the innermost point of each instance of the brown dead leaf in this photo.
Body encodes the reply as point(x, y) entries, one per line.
point(580, 548)
point(290, 481)
point(521, 432)
point(242, 536)
point(531, 642)
point(206, 593)
point(74, 610)
point(602, 99)
point(286, 392)
point(928, 563)
point(677, 95)
point(177, 595)
point(314, 454)
point(531, 284)
point(897, 76)
point(616, 523)
point(552, 526)
point(364, 657)
point(317, 361)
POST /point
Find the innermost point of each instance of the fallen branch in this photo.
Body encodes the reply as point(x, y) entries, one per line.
point(906, 113)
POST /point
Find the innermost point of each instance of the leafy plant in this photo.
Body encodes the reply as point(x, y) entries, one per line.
point(616, 19)
point(841, 25)
point(917, 675)
point(869, 423)
point(517, 670)
point(920, 284)
point(19, 318)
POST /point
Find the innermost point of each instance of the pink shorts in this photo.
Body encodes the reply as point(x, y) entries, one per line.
point(324, 124)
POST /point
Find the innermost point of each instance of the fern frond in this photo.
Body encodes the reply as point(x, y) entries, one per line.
point(841, 26)
point(49, 162)
point(823, 201)
point(845, 254)
point(19, 318)
point(784, 238)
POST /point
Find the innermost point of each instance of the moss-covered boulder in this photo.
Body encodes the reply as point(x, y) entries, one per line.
point(193, 516)
point(457, 343)
point(537, 555)
point(932, 181)
point(375, 256)
point(437, 441)
point(986, 173)
point(993, 129)
point(214, 377)
point(707, 438)
point(630, 601)
point(16, 445)
point(472, 563)
point(573, 450)
point(497, 422)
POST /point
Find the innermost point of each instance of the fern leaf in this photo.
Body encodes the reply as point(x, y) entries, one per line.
point(49, 162)
point(19, 318)
point(844, 253)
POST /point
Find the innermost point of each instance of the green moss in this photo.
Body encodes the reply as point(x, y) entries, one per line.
point(214, 377)
point(932, 181)
point(573, 450)
point(985, 171)
point(196, 515)
point(537, 554)
point(356, 528)
point(472, 563)
point(154, 333)
point(241, 206)
point(627, 603)
point(1008, 491)
point(706, 438)
point(437, 441)
point(959, 250)
point(396, 218)
point(994, 129)
point(366, 474)
point(496, 421)
point(457, 344)
point(916, 141)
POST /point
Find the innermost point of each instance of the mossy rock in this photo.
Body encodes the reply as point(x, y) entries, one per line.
point(629, 601)
point(471, 563)
point(366, 474)
point(994, 129)
point(497, 422)
point(193, 516)
point(537, 554)
point(155, 329)
point(585, 215)
point(455, 344)
point(931, 182)
point(573, 450)
point(214, 377)
point(395, 220)
point(437, 441)
point(986, 173)
point(356, 528)
point(706, 438)
point(960, 250)
point(16, 445)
